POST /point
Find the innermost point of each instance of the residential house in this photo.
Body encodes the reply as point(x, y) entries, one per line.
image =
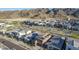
point(55, 43)
point(2, 25)
point(30, 38)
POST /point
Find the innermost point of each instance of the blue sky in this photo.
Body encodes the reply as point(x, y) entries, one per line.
point(11, 9)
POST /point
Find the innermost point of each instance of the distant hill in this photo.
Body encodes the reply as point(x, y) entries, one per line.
point(41, 13)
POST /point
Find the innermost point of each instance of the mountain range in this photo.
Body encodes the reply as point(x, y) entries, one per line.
point(41, 13)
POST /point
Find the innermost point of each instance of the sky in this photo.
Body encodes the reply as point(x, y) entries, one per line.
point(11, 9)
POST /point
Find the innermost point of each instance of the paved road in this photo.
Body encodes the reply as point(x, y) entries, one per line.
point(11, 45)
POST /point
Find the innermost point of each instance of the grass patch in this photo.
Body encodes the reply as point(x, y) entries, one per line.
point(16, 24)
point(74, 35)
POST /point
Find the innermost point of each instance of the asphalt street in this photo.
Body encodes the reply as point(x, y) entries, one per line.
point(11, 45)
